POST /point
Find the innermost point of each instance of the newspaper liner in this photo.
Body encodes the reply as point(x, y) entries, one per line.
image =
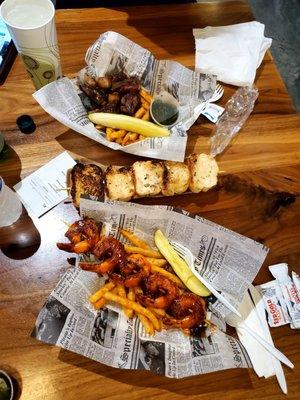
point(112, 52)
point(230, 262)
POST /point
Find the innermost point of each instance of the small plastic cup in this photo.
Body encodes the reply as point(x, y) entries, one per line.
point(164, 110)
point(7, 387)
point(10, 205)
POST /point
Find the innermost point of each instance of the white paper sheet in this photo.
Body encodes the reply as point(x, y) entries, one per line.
point(39, 191)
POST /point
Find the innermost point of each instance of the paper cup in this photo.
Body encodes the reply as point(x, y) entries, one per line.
point(32, 27)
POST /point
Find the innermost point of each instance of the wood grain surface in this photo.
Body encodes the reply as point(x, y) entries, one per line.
point(258, 196)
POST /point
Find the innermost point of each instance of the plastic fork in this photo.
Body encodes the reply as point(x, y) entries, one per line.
point(188, 257)
point(218, 93)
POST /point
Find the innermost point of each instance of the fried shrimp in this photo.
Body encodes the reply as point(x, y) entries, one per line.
point(187, 311)
point(132, 272)
point(83, 236)
point(112, 254)
point(160, 292)
point(136, 268)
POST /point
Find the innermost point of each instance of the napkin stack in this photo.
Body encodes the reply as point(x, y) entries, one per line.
point(232, 52)
point(253, 314)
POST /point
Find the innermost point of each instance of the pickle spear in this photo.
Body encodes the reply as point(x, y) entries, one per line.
point(130, 124)
point(179, 266)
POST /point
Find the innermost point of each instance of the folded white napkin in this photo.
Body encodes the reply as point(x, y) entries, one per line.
point(261, 359)
point(232, 52)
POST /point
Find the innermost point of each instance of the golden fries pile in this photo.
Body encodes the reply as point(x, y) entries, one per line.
point(124, 137)
point(151, 318)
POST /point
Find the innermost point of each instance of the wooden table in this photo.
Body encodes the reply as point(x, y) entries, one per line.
point(256, 197)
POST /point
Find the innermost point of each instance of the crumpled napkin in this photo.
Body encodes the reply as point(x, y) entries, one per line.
point(232, 52)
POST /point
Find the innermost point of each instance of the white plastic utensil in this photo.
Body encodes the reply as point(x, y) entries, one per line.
point(188, 257)
point(258, 301)
point(218, 93)
point(213, 111)
point(236, 321)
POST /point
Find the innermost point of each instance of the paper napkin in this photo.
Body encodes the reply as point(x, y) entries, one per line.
point(232, 52)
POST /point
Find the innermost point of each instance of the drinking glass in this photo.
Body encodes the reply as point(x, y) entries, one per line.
point(10, 205)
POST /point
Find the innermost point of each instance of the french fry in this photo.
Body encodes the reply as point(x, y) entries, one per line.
point(109, 130)
point(126, 139)
point(109, 133)
point(167, 274)
point(118, 134)
point(106, 288)
point(119, 141)
point(144, 252)
point(100, 304)
point(134, 306)
point(131, 294)
point(122, 293)
point(146, 116)
point(146, 324)
point(159, 312)
point(121, 290)
point(133, 136)
point(145, 104)
point(140, 112)
point(145, 95)
point(115, 290)
point(159, 262)
point(113, 134)
point(134, 239)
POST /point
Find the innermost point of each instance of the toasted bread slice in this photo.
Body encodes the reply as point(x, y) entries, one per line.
point(86, 180)
point(148, 177)
point(204, 172)
point(176, 178)
point(119, 183)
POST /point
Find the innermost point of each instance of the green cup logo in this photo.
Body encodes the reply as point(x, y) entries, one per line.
point(41, 71)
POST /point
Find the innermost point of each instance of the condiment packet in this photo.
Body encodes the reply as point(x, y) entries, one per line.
point(274, 304)
point(213, 112)
point(296, 280)
point(289, 291)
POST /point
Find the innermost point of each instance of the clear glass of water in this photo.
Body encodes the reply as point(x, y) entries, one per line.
point(10, 205)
